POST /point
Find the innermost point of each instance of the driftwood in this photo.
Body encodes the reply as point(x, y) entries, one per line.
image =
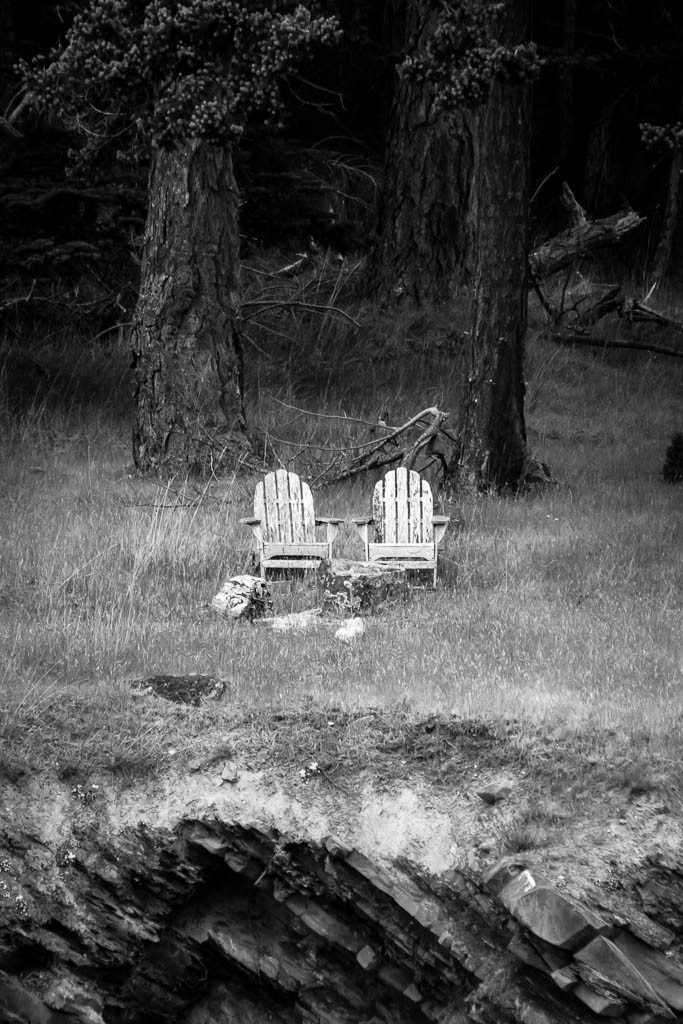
point(584, 236)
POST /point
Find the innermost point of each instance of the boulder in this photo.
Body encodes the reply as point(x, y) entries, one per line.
point(549, 914)
point(495, 791)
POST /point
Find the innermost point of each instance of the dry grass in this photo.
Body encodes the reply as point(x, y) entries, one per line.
point(560, 611)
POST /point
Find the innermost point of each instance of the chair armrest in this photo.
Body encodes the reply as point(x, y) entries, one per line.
point(440, 523)
point(256, 529)
point(362, 525)
point(331, 525)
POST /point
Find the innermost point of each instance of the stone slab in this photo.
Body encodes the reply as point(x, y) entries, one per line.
point(661, 971)
point(550, 914)
point(606, 959)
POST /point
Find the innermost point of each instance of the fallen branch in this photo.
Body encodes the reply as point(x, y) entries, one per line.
point(315, 307)
point(329, 416)
point(378, 454)
point(583, 237)
point(639, 312)
point(578, 338)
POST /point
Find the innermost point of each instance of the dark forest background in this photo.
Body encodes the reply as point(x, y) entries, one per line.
point(612, 65)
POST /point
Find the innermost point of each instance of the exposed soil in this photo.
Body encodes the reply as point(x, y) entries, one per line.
point(393, 787)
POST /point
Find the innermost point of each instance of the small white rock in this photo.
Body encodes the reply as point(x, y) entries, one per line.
point(351, 630)
point(229, 773)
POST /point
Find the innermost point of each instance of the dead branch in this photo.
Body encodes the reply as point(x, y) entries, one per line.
point(380, 455)
point(579, 338)
point(636, 311)
point(17, 299)
point(315, 307)
point(583, 237)
point(577, 215)
point(331, 416)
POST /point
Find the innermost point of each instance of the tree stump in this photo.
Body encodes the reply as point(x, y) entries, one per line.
point(243, 597)
point(349, 588)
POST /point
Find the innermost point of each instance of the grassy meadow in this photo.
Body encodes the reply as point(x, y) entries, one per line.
point(561, 609)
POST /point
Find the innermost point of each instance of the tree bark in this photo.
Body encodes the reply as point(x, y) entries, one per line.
point(424, 252)
point(492, 436)
point(187, 357)
point(671, 216)
point(7, 50)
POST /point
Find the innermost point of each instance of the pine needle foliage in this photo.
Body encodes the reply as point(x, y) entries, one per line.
point(167, 71)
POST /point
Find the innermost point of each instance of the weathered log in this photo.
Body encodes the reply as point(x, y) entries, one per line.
point(243, 597)
point(583, 237)
point(349, 588)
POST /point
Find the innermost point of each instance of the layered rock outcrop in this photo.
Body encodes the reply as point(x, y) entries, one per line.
point(213, 921)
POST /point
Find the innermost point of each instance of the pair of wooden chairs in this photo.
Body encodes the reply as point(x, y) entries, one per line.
point(402, 529)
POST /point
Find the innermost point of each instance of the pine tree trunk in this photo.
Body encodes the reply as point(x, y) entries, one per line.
point(492, 431)
point(424, 252)
point(671, 215)
point(7, 48)
point(187, 358)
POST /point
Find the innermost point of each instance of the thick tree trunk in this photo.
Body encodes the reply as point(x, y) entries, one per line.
point(424, 252)
point(671, 215)
point(492, 434)
point(7, 49)
point(189, 412)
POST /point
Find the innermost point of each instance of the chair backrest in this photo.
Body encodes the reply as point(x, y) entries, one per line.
point(402, 508)
point(284, 504)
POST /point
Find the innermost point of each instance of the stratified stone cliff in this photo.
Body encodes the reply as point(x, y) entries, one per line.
point(214, 921)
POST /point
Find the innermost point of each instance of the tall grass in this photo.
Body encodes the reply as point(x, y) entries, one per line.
point(559, 610)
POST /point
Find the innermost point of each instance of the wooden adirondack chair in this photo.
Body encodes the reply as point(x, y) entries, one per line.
point(284, 524)
point(403, 528)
